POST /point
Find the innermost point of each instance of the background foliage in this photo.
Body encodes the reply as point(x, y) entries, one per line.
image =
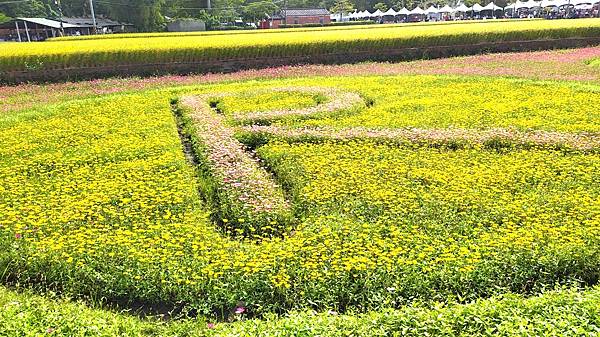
point(151, 15)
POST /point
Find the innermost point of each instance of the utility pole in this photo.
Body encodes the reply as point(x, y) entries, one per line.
point(60, 16)
point(93, 17)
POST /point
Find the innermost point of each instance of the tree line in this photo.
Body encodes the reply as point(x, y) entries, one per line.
point(152, 15)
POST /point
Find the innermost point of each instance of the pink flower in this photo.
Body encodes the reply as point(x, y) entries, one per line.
point(49, 330)
point(240, 310)
point(210, 325)
point(18, 236)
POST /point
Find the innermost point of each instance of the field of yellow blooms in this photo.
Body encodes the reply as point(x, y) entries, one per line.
point(337, 193)
point(210, 47)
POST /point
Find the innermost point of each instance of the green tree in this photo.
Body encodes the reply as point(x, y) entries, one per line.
point(341, 7)
point(32, 8)
point(145, 15)
point(381, 6)
point(410, 4)
point(4, 18)
point(256, 11)
point(227, 10)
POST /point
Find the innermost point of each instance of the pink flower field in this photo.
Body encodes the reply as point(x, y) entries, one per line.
point(558, 64)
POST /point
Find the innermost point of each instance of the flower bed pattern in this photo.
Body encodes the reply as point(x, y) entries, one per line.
point(96, 197)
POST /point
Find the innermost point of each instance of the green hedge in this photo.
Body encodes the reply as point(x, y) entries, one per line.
point(556, 313)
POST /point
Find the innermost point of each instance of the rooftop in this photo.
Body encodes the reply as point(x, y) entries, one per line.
point(67, 22)
point(305, 11)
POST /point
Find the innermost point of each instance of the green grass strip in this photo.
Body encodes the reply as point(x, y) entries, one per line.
point(557, 313)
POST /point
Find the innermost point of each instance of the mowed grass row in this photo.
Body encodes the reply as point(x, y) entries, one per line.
point(190, 49)
point(556, 313)
point(97, 200)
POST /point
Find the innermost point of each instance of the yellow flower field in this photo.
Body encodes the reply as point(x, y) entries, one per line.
point(90, 53)
point(98, 199)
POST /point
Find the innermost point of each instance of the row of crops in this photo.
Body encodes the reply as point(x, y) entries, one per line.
point(267, 31)
point(98, 200)
point(89, 53)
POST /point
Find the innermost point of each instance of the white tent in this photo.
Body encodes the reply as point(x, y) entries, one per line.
point(377, 13)
point(446, 9)
point(364, 14)
point(404, 11)
point(417, 11)
point(431, 10)
point(518, 5)
point(390, 12)
point(342, 17)
point(462, 8)
point(477, 8)
point(533, 4)
point(491, 7)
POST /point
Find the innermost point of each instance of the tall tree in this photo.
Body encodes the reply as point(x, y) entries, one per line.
point(259, 10)
point(381, 6)
point(4, 18)
point(341, 7)
point(33, 8)
point(227, 10)
point(145, 15)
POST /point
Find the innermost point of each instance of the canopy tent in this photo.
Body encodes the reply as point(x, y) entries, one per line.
point(477, 8)
point(404, 11)
point(533, 4)
point(582, 2)
point(517, 5)
point(390, 12)
point(377, 13)
point(341, 16)
point(491, 7)
point(431, 10)
point(363, 14)
point(50, 23)
point(417, 11)
point(446, 9)
point(549, 3)
point(462, 8)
